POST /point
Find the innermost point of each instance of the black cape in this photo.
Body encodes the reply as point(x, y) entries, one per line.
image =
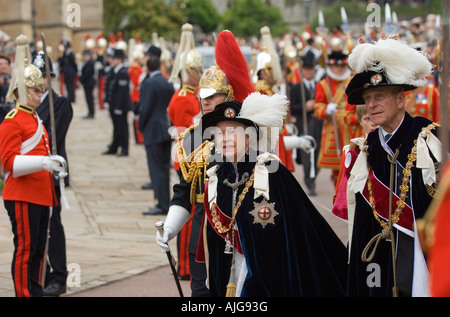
point(298, 255)
point(365, 225)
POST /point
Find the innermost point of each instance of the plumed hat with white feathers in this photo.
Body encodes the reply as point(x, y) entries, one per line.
point(268, 113)
point(388, 62)
point(265, 113)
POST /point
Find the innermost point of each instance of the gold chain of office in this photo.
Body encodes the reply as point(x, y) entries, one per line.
point(215, 218)
point(404, 188)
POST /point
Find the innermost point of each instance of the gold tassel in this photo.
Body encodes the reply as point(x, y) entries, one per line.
point(395, 291)
point(231, 290)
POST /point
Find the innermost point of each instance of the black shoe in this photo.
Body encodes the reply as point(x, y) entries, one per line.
point(312, 192)
point(148, 185)
point(154, 211)
point(55, 289)
point(89, 116)
point(122, 154)
point(109, 152)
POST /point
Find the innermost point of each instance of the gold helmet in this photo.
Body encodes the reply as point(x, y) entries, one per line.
point(187, 58)
point(25, 74)
point(214, 81)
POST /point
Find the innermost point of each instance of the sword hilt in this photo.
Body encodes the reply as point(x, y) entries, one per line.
point(160, 226)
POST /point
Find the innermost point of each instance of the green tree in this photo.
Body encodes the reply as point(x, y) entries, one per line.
point(132, 17)
point(204, 14)
point(246, 17)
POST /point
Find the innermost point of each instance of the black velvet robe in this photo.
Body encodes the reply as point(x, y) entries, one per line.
point(366, 226)
point(298, 255)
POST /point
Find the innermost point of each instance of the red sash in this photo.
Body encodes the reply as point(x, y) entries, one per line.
point(224, 220)
point(381, 199)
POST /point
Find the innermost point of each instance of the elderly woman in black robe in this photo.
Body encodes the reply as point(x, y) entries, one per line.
point(262, 236)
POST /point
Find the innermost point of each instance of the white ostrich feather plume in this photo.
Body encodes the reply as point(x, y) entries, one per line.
point(268, 112)
point(264, 110)
point(401, 63)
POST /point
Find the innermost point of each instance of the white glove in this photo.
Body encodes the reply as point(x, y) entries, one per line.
point(291, 129)
point(306, 142)
point(27, 164)
point(331, 109)
point(175, 220)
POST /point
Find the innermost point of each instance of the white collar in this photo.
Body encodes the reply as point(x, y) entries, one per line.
point(343, 77)
point(117, 68)
point(44, 95)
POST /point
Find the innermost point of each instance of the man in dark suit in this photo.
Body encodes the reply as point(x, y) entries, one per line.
point(119, 103)
point(314, 126)
point(156, 94)
point(87, 79)
point(155, 51)
point(56, 276)
point(69, 68)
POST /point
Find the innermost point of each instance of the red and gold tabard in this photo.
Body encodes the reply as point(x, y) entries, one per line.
point(285, 156)
point(293, 72)
point(20, 124)
point(423, 101)
point(439, 255)
point(328, 91)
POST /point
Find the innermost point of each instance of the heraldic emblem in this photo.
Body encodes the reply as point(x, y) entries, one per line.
point(264, 213)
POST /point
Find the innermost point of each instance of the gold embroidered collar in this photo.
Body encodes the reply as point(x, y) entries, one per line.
point(189, 88)
point(25, 108)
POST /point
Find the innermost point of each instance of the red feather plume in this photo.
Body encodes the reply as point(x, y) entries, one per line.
point(232, 62)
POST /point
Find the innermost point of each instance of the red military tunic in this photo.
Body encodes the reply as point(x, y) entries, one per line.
point(135, 71)
point(21, 124)
point(328, 91)
point(182, 109)
point(423, 101)
point(285, 155)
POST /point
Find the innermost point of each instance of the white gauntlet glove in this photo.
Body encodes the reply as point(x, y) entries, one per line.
point(55, 164)
point(27, 164)
point(305, 142)
point(331, 109)
point(175, 220)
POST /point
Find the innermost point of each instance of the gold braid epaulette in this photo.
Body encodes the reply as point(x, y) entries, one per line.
point(193, 165)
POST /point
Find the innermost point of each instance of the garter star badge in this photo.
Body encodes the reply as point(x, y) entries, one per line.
point(264, 213)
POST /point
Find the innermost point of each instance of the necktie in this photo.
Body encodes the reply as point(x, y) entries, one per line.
point(387, 137)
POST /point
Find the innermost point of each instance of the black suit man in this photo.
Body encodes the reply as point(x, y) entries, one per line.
point(70, 69)
point(314, 126)
point(119, 103)
point(156, 94)
point(56, 276)
point(87, 79)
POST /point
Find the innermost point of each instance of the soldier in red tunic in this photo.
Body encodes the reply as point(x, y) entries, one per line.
point(29, 191)
point(182, 109)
